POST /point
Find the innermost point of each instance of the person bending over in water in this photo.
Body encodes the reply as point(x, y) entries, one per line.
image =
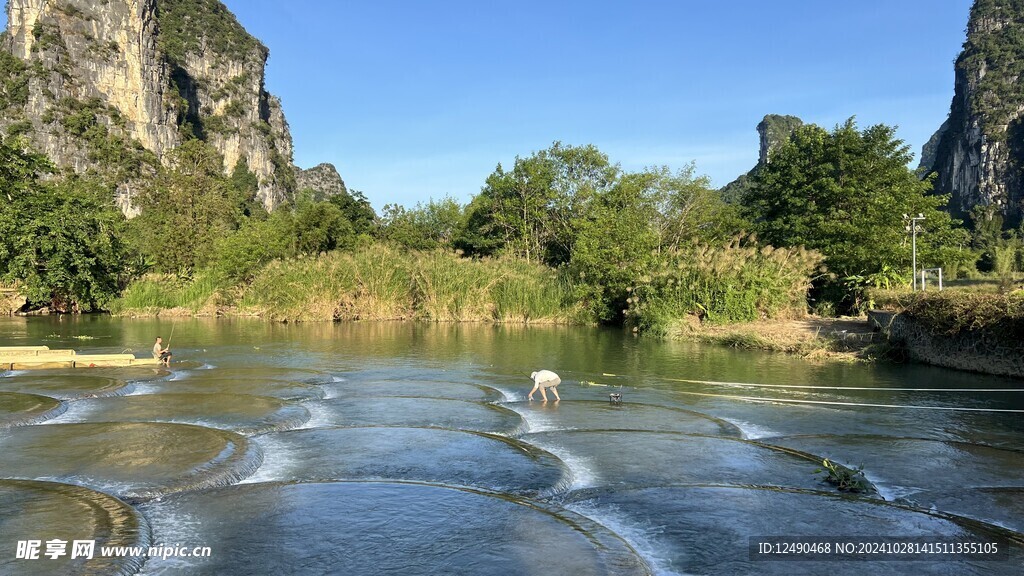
point(160, 353)
point(545, 379)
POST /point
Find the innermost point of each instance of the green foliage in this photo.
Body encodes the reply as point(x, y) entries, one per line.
point(117, 157)
point(235, 109)
point(60, 240)
point(843, 193)
point(951, 312)
point(19, 127)
point(614, 246)
point(47, 36)
point(1001, 250)
point(186, 26)
point(284, 172)
point(13, 81)
point(994, 55)
point(233, 87)
point(381, 282)
point(245, 186)
point(239, 256)
point(356, 208)
point(627, 226)
point(321, 227)
point(165, 291)
point(217, 124)
point(738, 282)
point(425, 227)
point(530, 211)
point(775, 130)
point(733, 192)
point(186, 208)
point(687, 209)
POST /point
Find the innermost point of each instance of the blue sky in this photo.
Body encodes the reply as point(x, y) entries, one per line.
point(413, 100)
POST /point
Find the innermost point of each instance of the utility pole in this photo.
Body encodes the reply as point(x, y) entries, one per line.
point(913, 227)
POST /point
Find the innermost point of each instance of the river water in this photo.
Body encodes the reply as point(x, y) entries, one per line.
point(403, 448)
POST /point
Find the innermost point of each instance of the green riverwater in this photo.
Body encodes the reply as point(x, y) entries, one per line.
point(387, 448)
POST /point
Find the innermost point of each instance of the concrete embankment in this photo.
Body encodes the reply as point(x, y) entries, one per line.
point(985, 351)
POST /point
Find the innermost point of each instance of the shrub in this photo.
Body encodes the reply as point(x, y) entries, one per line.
point(732, 283)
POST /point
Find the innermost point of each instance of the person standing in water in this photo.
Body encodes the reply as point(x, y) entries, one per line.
point(160, 353)
point(543, 380)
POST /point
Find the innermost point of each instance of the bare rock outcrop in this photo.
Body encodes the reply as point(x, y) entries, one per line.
point(111, 87)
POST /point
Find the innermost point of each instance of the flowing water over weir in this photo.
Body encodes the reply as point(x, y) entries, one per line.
point(32, 510)
point(19, 409)
point(399, 448)
point(64, 388)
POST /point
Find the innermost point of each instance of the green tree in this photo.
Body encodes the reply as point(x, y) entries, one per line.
point(844, 194)
point(425, 227)
point(186, 208)
point(615, 245)
point(356, 208)
point(244, 187)
point(687, 209)
point(530, 211)
point(321, 227)
point(241, 254)
point(60, 240)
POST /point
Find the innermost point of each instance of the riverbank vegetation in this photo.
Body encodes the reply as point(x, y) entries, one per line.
point(372, 282)
point(952, 312)
point(564, 235)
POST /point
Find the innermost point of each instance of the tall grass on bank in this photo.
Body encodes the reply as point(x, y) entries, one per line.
point(155, 292)
point(381, 283)
point(723, 284)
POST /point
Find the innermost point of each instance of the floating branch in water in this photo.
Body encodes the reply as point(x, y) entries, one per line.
point(843, 478)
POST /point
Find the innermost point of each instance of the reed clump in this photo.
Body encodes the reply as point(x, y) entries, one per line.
point(156, 292)
point(378, 282)
point(738, 282)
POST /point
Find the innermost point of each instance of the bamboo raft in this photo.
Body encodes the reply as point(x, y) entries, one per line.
point(40, 357)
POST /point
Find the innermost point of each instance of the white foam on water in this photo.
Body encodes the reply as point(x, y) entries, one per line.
point(319, 417)
point(338, 379)
point(891, 493)
point(76, 412)
point(583, 473)
point(8, 373)
point(183, 523)
point(506, 395)
point(143, 388)
point(277, 459)
point(752, 431)
point(638, 536)
point(535, 421)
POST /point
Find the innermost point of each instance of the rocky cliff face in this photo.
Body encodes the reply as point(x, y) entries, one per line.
point(113, 86)
point(773, 131)
point(977, 154)
point(322, 179)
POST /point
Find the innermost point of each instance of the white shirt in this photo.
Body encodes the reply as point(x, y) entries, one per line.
point(544, 376)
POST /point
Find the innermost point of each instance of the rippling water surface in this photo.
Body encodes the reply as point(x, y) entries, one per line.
point(400, 448)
